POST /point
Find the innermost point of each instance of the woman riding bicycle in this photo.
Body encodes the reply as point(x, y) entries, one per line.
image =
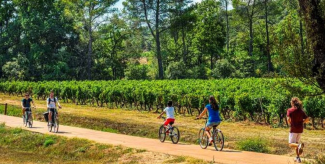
point(214, 117)
point(51, 105)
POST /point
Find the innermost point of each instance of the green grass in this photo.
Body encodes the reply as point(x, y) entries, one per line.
point(320, 159)
point(39, 148)
point(254, 144)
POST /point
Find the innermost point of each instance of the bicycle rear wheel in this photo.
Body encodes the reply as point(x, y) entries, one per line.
point(162, 133)
point(218, 140)
point(174, 135)
point(203, 139)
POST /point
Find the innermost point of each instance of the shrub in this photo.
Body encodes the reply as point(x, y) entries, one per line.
point(136, 71)
point(224, 69)
point(48, 142)
point(176, 70)
point(253, 144)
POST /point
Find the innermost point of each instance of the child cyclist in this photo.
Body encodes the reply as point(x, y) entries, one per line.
point(214, 118)
point(169, 110)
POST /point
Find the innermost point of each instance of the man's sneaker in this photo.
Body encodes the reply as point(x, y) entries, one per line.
point(301, 148)
point(298, 160)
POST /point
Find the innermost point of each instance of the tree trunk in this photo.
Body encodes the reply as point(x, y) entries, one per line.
point(250, 37)
point(227, 21)
point(286, 120)
point(313, 122)
point(160, 64)
point(211, 61)
point(184, 45)
point(301, 37)
point(315, 24)
point(90, 45)
point(269, 65)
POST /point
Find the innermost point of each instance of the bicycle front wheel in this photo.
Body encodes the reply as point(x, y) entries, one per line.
point(49, 126)
point(162, 133)
point(203, 139)
point(56, 126)
point(26, 120)
point(30, 121)
point(218, 140)
point(174, 135)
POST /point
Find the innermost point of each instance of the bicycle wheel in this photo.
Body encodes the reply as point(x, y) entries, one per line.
point(30, 121)
point(174, 135)
point(56, 126)
point(203, 139)
point(218, 140)
point(162, 133)
point(49, 126)
point(26, 120)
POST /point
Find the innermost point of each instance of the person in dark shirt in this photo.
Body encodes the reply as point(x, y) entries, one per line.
point(25, 103)
point(296, 118)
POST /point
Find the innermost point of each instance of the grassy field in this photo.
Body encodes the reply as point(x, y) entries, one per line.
point(145, 124)
point(20, 146)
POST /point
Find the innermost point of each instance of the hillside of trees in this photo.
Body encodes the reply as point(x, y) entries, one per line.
point(92, 40)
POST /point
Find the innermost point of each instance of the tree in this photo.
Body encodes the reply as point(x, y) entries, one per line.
point(16, 69)
point(225, 4)
point(313, 12)
point(269, 62)
point(154, 14)
point(209, 33)
point(92, 14)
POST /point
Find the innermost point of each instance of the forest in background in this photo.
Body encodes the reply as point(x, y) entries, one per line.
point(152, 39)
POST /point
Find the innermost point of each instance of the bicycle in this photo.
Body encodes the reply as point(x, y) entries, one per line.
point(28, 117)
point(217, 137)
point(54, 124)
point(172, 131)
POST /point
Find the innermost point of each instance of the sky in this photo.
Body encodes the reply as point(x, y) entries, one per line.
point(120, 6)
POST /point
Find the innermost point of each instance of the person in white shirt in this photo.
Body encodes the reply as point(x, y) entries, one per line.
point(169, 110)
point(52, 102)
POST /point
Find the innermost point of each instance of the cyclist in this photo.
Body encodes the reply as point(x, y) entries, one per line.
point(25, 104)
point(169, 110)
point(296, 118)
point(51, 105)
point(214, 118)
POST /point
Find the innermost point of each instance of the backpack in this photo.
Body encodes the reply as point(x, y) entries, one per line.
point(49, 100)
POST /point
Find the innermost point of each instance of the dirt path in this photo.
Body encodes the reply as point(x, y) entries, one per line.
point(227, 156)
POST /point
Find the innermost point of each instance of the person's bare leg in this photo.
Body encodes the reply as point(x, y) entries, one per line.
point(50, 117)
point(207, 131)
point(295, 146)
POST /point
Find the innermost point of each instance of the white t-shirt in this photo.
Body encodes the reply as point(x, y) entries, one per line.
point(169, 112)
point(52, 103)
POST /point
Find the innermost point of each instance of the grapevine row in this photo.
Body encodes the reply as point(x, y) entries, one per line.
point(240, 99)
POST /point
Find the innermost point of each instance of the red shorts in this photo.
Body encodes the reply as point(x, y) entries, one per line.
point(168, 121)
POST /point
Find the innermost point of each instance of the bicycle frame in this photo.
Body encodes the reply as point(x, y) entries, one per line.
point(169, 127)
point(27, 113)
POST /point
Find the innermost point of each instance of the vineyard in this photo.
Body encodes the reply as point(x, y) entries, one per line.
point(259, 100)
